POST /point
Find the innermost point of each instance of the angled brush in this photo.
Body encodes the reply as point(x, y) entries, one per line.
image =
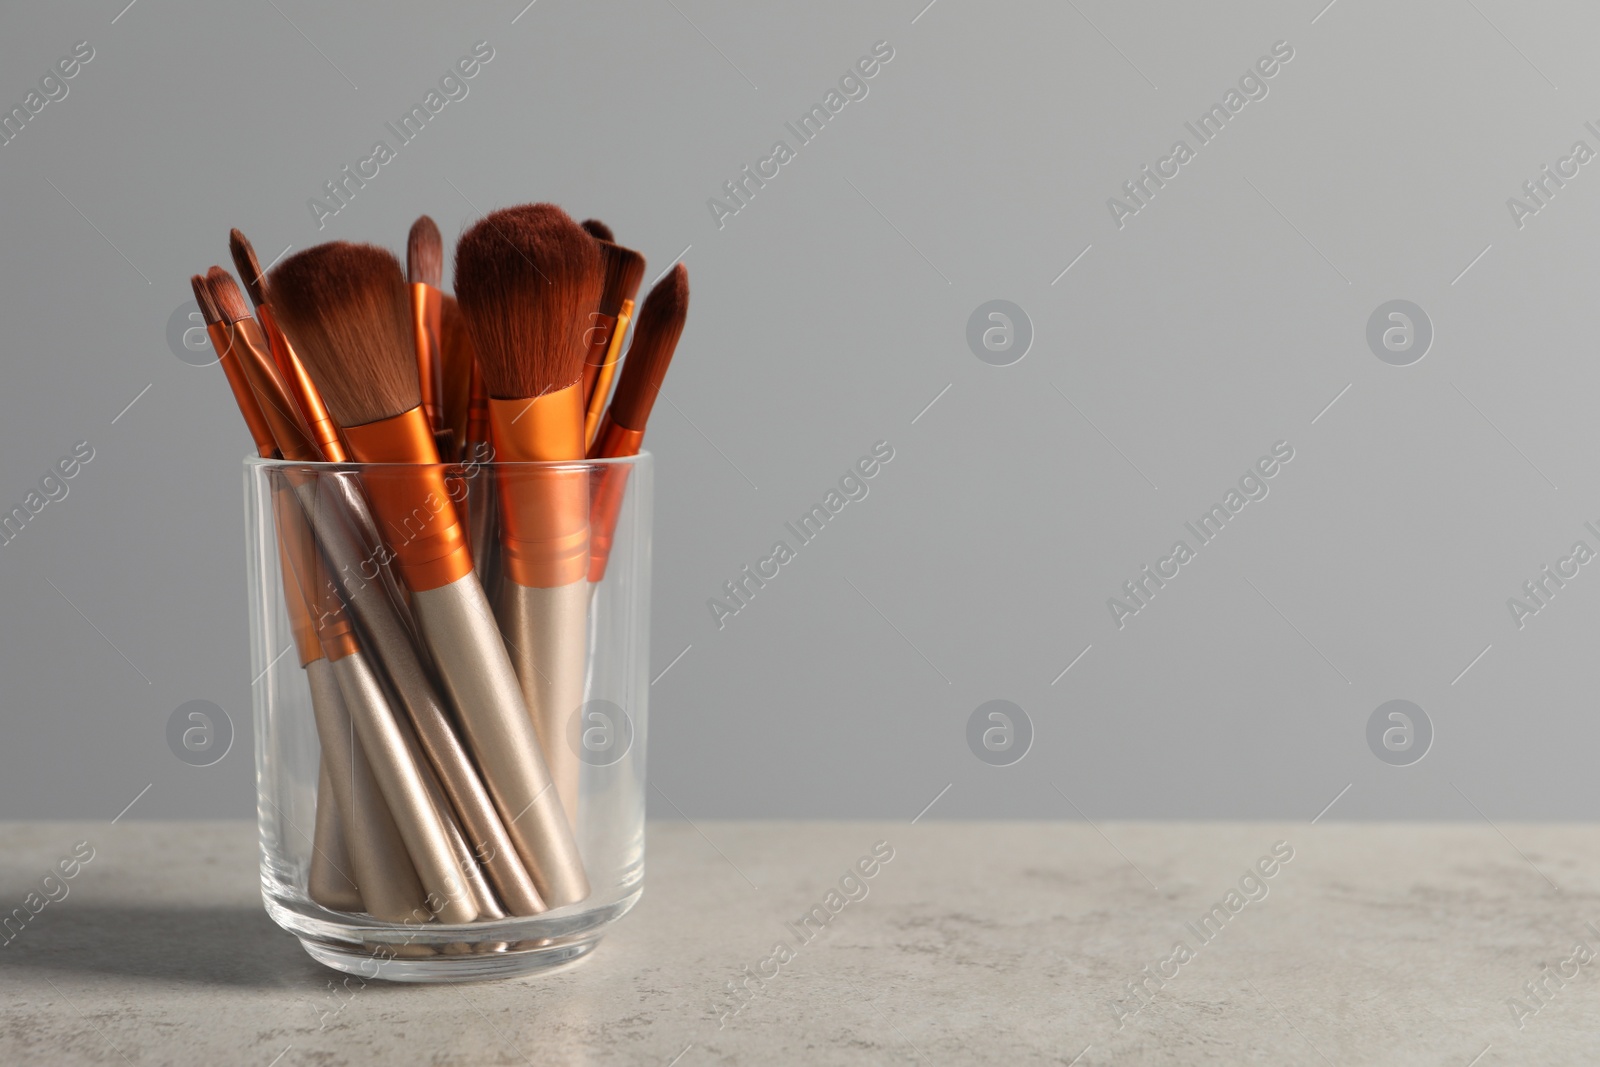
point(312, 411)
point(624, 270)
point(655, 340)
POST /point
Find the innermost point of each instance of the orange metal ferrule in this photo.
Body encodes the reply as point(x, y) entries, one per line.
point(317, 626)
point(597, 339)
point(276, 340)
point(613, 441)
point(477, 417)
point(222, 340)
point(426, 311)
point(601, 388)
point(277, 407)
point(412, 502)
point(316, 614)
point(293, 539)
point(616, 440)
point(544, 511)
point(324, 432)
point(332, 621)
point(231, 354)
point(337, 642)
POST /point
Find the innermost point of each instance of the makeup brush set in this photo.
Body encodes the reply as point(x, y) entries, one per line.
point(443, 516)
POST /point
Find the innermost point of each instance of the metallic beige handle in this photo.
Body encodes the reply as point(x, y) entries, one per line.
point(388, 751)
point(472, 661)
point(547, 634)
point(382, 868)
point(482, 896)
point(339, 515)
point(328, 882)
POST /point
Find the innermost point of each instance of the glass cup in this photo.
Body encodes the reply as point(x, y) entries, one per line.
point(449, 762)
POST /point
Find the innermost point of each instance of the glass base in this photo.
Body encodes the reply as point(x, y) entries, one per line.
point(480, 963)
point(435, 952)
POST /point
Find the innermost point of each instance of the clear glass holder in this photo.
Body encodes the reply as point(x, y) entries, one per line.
point(389, 774)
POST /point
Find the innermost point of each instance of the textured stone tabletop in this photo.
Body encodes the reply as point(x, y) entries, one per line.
point(976, 943)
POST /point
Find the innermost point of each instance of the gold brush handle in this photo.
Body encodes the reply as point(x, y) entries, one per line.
point(329, 880)
point(337, 508)
point(388, 750)
point(382, 868)
point(482, 896)
point(471, 656)
point(547, 634)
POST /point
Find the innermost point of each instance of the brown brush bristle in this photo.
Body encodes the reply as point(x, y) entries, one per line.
point(624, 270)
point(656, 330)
point(347, 311)
point(225, 295)
point(598, 230)
point(455, 347)
point(202, 296)
point(248, 266)
point(425, 253)
point(528, 278)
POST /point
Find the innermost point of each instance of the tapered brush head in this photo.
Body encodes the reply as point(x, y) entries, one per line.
point(528, 278)
point(347, 311)
point(202, 296)
point(248, 266)
point(623, 271)
point(225, 296)
point(425, 253)
point(656, 330)
point(598, 230)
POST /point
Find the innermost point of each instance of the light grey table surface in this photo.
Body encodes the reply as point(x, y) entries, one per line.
point(977, 943)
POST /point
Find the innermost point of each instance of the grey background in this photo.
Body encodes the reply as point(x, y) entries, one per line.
point(1223, 318)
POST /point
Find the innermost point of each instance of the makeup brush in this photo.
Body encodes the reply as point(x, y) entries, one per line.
point(598, 230)
point(528, 278)
point(455, 386)
point(248, 343)
point(325, 444)
point(403, 779)
point(322, 431)
point(387, 632)
point(624, 270)
point(253, 278)
point(383, 736)
point(355, 807)
point(233, 369)
point(350, 671)
point(375, 854)
point(482, 510)
point(382, 861)
point(346, 309)
point(455, 348)
point(425, 272)
point(655, 339)
point(328, 882)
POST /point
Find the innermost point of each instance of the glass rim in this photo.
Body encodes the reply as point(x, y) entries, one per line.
point(322, 466)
